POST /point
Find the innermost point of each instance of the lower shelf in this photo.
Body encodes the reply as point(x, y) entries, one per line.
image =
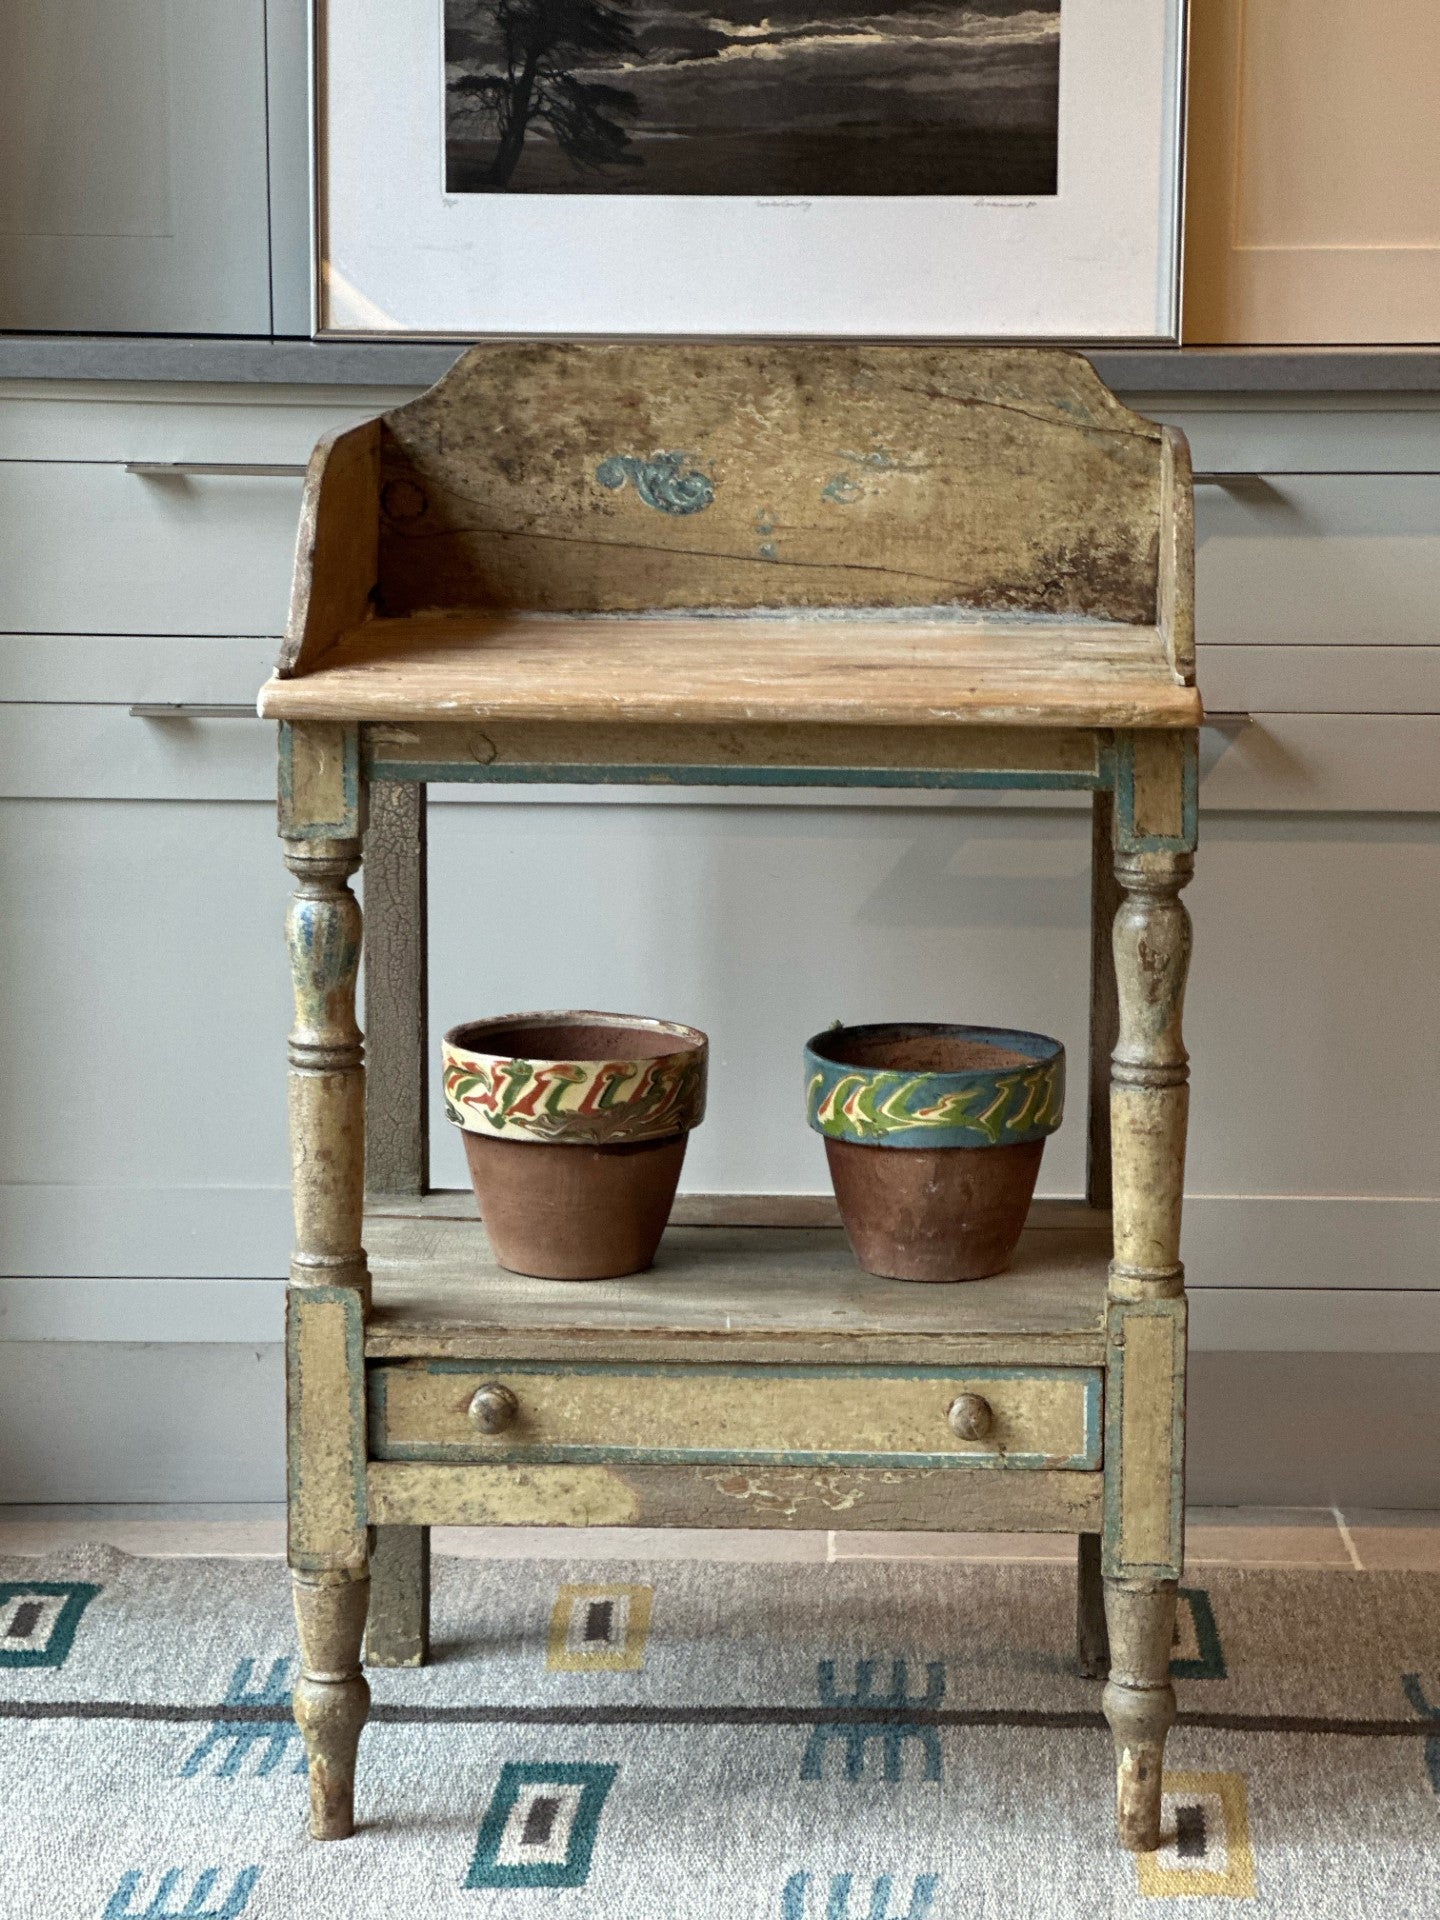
point(766, 1295)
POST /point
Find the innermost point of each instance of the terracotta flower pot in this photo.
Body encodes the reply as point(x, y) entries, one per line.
point(934, 1136)
point(575, 1127)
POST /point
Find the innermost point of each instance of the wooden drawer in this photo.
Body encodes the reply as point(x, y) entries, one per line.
point(772, 1416)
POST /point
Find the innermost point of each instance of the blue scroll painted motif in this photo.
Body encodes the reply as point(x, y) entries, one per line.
point(666, 481)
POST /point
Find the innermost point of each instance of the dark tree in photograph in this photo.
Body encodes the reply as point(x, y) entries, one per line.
point(541, 42)
point(793, 97)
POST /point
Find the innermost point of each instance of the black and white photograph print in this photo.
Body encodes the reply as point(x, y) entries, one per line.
point(784, 98)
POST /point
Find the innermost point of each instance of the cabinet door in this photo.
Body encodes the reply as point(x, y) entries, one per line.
point(133, 166)
point(145, 997)
point(1313, 191)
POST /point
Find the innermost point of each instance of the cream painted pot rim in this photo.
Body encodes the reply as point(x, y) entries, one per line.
point(575, 1096)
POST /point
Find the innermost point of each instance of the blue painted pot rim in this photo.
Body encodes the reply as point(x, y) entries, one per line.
point(900, 1107)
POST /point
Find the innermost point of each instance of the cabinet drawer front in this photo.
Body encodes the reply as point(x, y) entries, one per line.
point(96, 549)
point(86, 421)
point(91, 546)
point(774, 1416)
point(1320, 559)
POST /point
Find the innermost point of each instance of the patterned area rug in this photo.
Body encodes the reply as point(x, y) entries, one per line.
point(662, 1742)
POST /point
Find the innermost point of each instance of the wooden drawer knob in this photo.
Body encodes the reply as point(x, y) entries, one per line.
point(971, 1417)
point(493, 1407)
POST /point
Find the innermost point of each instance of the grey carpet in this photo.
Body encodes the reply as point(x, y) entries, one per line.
point(690, 1741)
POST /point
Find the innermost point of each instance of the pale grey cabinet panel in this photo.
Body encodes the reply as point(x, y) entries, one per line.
point(1320, 729)
point(763, 925)
point(133, 168)
point(57, 751)
point(1320, 680)
point(123, 667)
point(95, 540)
point(1351, 559)
point(86, 420)
point(1321, 763)
point(1312, 1019)
point(86, 1421)
point(1310, 433)
point(97, 549)
point(145, 1004)
point(1327, 531)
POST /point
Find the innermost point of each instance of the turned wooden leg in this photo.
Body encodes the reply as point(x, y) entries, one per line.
point(398, 1633)
point(1092, 1644)
point(321, 816)
point(1139, 1702)
point(332, 1698)
point(1145, 1350)
point(327, 1069)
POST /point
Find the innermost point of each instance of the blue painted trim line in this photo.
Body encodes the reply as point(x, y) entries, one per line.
point(297, 1298)
point(742, 1370)
point(574, 1456)
point(914, 778)
point(1120, 1314)
point(1126, 838)
point(346, 828)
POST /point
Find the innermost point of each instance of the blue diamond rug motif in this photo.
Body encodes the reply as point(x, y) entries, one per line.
point(539, 1829)
point(38, 1619)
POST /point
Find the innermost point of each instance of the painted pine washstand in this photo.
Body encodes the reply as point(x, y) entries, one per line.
point(991, 587)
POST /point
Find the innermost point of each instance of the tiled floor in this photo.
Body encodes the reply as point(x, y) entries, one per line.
point(1216, 1536)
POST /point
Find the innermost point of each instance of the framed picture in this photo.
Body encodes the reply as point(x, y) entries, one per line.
point(1003, 169)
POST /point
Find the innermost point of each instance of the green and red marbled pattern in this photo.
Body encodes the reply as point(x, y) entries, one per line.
point(983, 1107)
point(579, 1102)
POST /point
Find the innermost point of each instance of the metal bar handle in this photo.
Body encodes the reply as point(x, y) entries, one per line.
point(1253, 477)
point(191, 710)
point(245, 469)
